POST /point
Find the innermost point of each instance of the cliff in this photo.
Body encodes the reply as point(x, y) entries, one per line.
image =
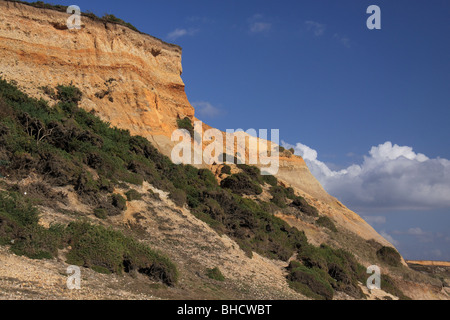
point(133, 81)
point(129, 79)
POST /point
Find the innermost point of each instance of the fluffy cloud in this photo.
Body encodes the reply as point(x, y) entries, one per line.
point(389, 238)
point(344, 40)
point(178, 33)
point(206, 109)
point(391, 177)
point(317, 28)
point(257, 25)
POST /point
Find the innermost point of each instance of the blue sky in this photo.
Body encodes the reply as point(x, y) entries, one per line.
point(313, 70)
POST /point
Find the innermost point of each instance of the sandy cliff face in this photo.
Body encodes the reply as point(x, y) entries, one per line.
point(131, 80)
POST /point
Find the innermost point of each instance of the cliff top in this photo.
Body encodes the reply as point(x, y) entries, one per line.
point(109, 18)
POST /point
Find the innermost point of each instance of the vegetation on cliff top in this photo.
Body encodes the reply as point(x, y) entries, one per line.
point(105, 18)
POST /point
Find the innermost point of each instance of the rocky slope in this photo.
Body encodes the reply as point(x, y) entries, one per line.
point(134, 82)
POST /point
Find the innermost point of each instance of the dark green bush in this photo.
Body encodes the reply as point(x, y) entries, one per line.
point(241, 184)
point(113, 19)
point(271, 180)
point(40, 243)
point(97, 247)
point(388, 285)
point(310, 282)
point(215, 274)
point(326, 223)
point(301, 204)
point(106, 18)
point(69, 94)
point(133, 195)
point(17, 210)
point(186, 124)
point(101, 213)
point(278, 196)
point(226, 169)
point(390, 256)
point(336, 266)
point(119, 202)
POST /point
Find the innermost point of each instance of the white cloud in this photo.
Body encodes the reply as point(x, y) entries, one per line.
point(317, 28)
point(416, 232)
point(389, 238)
point(178, 33)
point(391, 177)
point(206, 109)
point(344, 40)
point(258, 25)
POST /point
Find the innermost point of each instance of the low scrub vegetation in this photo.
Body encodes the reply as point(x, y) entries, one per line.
point(337, 268)
point(389, 256)
point(94, 247)
point(186, 124)
point(215, 274)
point(106, 18)
point(326, 223)
point(76, 143)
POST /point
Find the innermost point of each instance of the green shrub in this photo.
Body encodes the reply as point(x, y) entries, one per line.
point(113, 19)
point(133, 195)
point(40, 243)
point(388, 285)
point(69, 94)
point(106, 18)
point(326, 223)
point(186, 124)
point(390, 256)
point(337, 266)
point(17, 210)
point(271, 180)
point(241, 184)
point(302, 279)
point(278, 196)
point(119, 202)
point(101, 213)
point(105, 249)
point(215, 274)
point(226, 169)
point(301, 204)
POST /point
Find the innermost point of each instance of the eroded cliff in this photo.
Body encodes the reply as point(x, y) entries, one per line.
point(129, 79)
point(133, 81)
